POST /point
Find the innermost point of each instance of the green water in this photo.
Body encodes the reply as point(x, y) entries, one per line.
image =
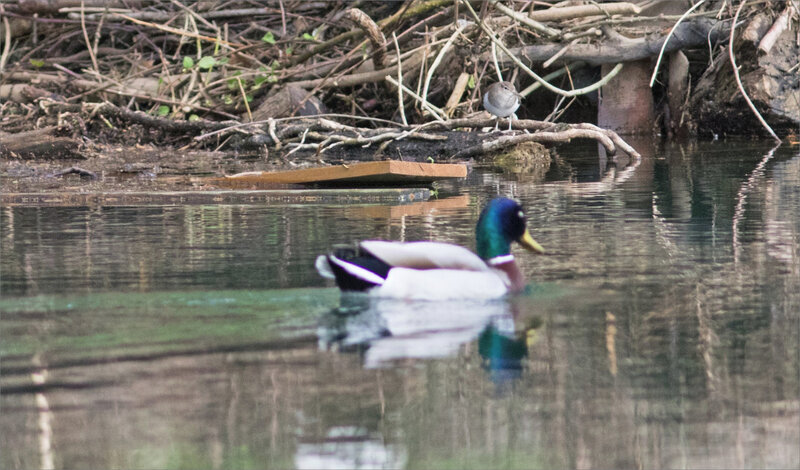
point(661, 330)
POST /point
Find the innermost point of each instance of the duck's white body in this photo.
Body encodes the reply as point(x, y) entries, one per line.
point(426, 271)
point(443, 284)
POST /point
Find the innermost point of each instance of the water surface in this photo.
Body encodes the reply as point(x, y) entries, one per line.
point(661, 330)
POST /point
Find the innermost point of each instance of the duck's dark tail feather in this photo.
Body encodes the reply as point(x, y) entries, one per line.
point(354, 270)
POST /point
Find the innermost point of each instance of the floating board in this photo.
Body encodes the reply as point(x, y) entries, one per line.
point(175, 198)
point(387, 172)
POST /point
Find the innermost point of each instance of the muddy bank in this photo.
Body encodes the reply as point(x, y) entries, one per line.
point(149, 93)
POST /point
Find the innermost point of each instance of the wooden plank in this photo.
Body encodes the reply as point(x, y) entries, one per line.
point(174, 198)
point(382, 172)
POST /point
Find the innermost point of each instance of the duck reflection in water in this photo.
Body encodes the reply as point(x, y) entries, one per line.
point(503, 348)
point(384, 331)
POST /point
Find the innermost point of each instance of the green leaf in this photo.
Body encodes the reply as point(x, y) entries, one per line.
point(430, 159)
point(308, 37)
point(207, 62)
point(37, 63)
point(289, 51)
point(259, 80)
point(471, 82)
point(163, 110)
point(249, 98)
point(269, 38)
point(227, 99)
point(188, 62)
point(233, 84)
point(194, 117)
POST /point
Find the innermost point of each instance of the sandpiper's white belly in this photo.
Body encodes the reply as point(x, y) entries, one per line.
point(504, 108)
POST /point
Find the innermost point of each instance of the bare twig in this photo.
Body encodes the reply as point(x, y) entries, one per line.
point(527, 21)
point(180, 32)
point(438, 60)
point(437, 113)
point(739, 80)
point(671, 31)
point(400, 104)
point(6, 39)
point(244, 98)
point(88, 43)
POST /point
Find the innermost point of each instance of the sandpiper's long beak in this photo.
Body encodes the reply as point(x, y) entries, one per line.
point(528, 242)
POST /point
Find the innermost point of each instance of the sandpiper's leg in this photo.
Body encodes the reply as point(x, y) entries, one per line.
point(496, 124)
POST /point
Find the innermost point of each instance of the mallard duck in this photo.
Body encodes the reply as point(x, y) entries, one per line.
point(432, 270)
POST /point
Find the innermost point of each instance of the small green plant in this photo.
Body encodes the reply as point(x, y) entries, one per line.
point(207, 62)
point(269, 38)
point(233, 83)
point(162, 110)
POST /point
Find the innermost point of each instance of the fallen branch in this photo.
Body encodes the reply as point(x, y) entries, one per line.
point(564, 13)
point(686, 35)
point(39, 143)
point(137, 117)
point(538, 127)
point(74, 170)
point(776, 30)
point(372, 31)
point(21, 93)
point(560, 136)
point(330, 141)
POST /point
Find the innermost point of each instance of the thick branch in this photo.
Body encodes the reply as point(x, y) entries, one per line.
point(686, 35)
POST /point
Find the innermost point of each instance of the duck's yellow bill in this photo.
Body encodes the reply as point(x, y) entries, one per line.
point(528, 242)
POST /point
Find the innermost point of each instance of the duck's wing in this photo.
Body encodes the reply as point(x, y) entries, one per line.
point(425, 255)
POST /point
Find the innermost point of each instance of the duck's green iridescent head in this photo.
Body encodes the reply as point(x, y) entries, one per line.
point(501, 222)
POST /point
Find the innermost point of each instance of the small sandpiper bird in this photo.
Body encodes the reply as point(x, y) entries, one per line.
point(502, 100)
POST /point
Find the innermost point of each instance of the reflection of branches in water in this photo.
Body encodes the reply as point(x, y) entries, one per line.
point(610, 181)
point(741, 197)
point(662, 232)
point(39, 377)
